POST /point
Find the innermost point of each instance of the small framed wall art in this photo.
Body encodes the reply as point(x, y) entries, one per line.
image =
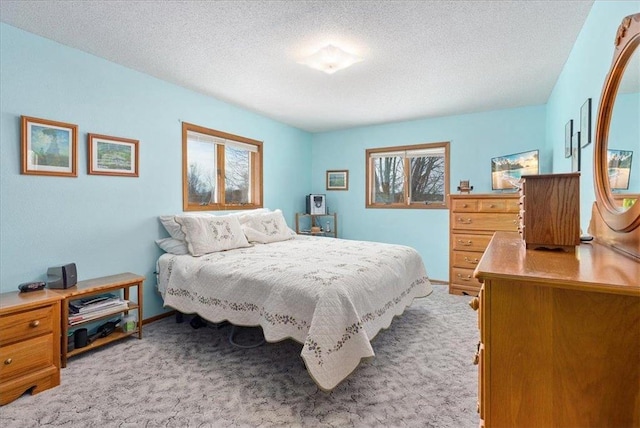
point(568, 135)
point(338, 180)
point(575, 156)
point(112, 155)
point(585, 123)
point(48, 147)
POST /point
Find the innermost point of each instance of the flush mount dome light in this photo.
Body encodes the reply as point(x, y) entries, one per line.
point(331, 59)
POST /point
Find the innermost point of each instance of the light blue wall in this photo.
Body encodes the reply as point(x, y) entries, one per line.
point(475, 139)
point(108, 225)
point(582, 77)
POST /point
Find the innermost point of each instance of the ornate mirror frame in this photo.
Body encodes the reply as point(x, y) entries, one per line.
point(610, 224)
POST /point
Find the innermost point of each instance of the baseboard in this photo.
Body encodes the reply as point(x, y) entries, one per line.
point(438, 282)
point(158, 317)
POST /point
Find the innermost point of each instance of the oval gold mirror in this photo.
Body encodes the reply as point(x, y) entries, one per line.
point(617, 136)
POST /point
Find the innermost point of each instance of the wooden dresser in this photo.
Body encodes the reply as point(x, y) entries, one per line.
point(473, 220)
point(559, 336)
point(29, 343)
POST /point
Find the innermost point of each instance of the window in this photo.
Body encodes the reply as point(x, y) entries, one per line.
point(220, 171)
point(408, 176)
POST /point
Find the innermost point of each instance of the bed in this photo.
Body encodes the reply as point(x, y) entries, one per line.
point(331, 295)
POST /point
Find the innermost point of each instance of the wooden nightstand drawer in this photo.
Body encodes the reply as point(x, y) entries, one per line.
point(26, 324)
point(463, 242)
point(26, 356)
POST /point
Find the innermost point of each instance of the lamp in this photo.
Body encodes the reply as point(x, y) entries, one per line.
point(330, 59)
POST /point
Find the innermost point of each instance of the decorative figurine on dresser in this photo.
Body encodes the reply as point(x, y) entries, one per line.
point(560, 330)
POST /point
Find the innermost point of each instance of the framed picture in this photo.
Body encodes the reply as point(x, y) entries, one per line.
point(48, 147)
point(585, 123)
point(568, 135)
point(575, 155)
point(338, 180)
point(112, 155)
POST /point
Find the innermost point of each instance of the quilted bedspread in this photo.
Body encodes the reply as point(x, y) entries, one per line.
point(331, 295)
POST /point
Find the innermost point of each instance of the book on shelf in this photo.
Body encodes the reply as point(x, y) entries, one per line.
point(80, 318)
point(94, 303)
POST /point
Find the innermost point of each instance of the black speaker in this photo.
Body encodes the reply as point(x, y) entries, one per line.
point(80, 338)
point(62, 276)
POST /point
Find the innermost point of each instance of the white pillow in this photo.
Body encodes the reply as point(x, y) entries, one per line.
point(266, 228)
point(169, 222)
point(245, 216)
point(173, 246)
point(210, 234)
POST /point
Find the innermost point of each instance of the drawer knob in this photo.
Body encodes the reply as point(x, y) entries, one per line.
point(463, 221)
point(475, 303)
point(468, 260)
point(491, 206)
point(464, 278)
point(465, 243)
point(34, 323)
point(8, 361)
point(464, 205)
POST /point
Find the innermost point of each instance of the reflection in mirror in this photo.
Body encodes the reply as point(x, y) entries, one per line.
point(624, 137)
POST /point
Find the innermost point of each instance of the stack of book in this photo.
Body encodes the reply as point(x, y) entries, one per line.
point(95, 307)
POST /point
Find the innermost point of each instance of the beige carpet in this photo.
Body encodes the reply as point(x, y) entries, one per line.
point(421, 376)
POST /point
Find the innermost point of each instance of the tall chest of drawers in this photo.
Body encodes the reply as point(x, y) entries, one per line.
point(29, 343)
point(472, 221)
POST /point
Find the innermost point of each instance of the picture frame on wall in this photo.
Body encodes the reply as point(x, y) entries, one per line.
point(585, 123)
point(575, 155)
point(112, 155)
point(568, 135)
point(338, 180)
point(48, 147)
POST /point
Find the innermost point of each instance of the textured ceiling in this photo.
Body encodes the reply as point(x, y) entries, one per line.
point(421, 58)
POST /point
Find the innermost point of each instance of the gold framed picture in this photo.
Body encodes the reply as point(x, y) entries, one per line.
point(48, 147)
point(112, 155)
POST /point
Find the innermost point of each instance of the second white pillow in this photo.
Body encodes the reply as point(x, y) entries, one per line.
point(266, 228)
point(206, 235)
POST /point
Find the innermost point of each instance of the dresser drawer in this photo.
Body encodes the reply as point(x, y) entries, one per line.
point(26, 324)
point(485, 221)
point(468, 242)
point(499, 205)
point(465, 205)
point(465, 277)
point(466, 259)
point(26, 356)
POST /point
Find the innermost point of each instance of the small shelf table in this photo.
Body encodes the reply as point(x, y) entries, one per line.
point(309, 219)
point(96, 286)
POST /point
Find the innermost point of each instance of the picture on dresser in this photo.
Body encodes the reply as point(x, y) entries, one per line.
point(506, 171)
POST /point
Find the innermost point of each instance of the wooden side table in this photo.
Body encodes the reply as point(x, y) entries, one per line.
point(96, 286)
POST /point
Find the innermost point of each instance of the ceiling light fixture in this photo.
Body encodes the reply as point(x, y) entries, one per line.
point(331, 59)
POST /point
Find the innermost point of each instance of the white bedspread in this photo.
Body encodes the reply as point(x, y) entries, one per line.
point(332, 295)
